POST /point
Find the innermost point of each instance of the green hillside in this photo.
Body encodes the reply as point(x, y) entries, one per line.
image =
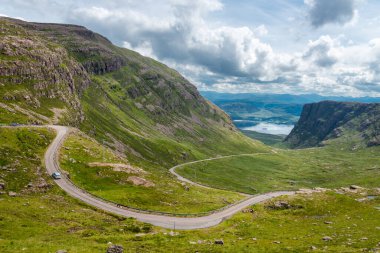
point(41, 218)
point(69, 75)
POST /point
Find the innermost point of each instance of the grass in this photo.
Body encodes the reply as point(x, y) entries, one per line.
point(48, 221)
point(109, 112)
point(20, 152)
point(290, 169)
point(167, 195)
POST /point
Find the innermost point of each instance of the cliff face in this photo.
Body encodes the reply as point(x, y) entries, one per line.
point(32, 69)
point(328, 120)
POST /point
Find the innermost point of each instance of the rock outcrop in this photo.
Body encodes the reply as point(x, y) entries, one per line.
point(327, 120)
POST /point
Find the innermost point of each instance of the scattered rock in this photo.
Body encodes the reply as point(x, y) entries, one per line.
point(119, 167)
point(1, 193)
point(328, 222)
point(313, 247)
point(187, 188)
point(364, 239)
point(2, 186)
point(355, 187)
point(12, 194)
point(115, 249)
point(281, 205)
point(250, 210)
point(200, 241)
point(61, 251)
point(219, 242)
point(140, 181)
point(44, 185)
point(276, 242)
point(327, 238)
point(254, 239)
point(361, 200)
point(311, 191)
point(193, 243)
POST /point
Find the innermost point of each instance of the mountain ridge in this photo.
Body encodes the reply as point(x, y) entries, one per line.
point(134, 104)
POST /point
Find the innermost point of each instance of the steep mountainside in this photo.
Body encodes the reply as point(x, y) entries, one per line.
point(69, 75)
point(353, 122)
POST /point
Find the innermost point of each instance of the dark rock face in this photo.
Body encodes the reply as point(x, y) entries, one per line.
point(91, 49)
point(33, 69)
point(328, 119)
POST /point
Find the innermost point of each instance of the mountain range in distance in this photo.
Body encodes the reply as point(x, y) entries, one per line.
point(274, 114)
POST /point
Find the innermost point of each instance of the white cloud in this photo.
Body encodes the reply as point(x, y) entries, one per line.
point(323, 52)
point(181, 34)
point(191, 37)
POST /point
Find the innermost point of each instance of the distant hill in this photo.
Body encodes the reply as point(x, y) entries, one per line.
point(327, 120)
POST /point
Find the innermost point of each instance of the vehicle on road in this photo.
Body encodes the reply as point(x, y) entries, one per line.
point(56, 175)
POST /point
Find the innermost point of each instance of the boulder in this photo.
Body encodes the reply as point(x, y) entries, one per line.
point(219, 242)
point(12, 194)
point(115, 249)
point(327, 238)
point(2, 186)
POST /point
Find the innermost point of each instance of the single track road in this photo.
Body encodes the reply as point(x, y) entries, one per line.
point(181, 223)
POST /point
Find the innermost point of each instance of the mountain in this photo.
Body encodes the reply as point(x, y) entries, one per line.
point(69, 75)
point(346, 121)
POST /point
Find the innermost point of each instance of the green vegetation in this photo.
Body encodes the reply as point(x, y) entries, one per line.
point(168, 136)
point(48, 220)
point(331, 166)
point(166, 195)
point(20, 153)
point(268, 139)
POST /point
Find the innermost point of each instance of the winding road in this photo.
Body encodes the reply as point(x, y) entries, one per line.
point(181, 223)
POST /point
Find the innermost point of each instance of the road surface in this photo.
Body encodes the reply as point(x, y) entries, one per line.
point(181, 223)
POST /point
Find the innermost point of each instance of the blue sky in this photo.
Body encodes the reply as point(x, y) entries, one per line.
point(329, 47)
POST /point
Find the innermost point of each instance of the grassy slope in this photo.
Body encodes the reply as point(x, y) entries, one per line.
point(49, 220)
point(167, 195)
point(109, 112)
point(332, 166)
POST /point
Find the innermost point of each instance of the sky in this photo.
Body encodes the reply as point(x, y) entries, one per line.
point(327, 47)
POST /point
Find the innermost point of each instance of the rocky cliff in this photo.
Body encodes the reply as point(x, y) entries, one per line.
point(327, 120)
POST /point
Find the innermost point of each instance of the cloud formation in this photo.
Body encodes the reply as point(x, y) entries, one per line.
point(214, 54)
point(182, 35)
point(323, 12)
